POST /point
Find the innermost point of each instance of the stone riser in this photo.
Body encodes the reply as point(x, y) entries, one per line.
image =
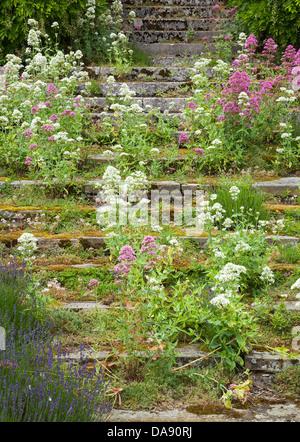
point(274, 187)
point(184, 24)
point(141, 89)
point(96, 242)
point(175, 49)
point(164, 36)
point(168, 3)
point(142, 74)
point(170, 11)
point(162, 104)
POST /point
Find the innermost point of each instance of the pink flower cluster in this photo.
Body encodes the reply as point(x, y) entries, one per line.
point(150, 248)
point(269, 50)
point(183, 138)
point(93, 283)
point(126, 259)
point(68, 112)
point(290, 58)
point(51, 89)
point(251, 44)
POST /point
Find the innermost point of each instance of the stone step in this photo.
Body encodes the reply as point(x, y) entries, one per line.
point(268, 362)
point(171, 24)
point(175, 11)
point(280, 186)
point(147, 74)
point(191, 354)
point(175, 49)
point(163, 36)
point(171, 104)
point(96, 242)
point(137, 3)
point(274, 187)
point(143, 88)
point(176, 118)
point(173, 60)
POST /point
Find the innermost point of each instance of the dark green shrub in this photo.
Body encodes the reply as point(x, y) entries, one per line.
point(277, 19)
point(14, 15)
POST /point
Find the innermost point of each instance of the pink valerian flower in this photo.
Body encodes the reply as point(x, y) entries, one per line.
point(251, 44)
point(28, 161)
point(51, 89)
point(269, 50)
point(149, 246)
point(27, 133)
point(127, 254)
point(68, 112)
point(183, 138)
point(192, 105)
point(126, 259)
point(199, 151)
point(53, 117)
point(51, 138)
point(227, 37)
point(33, 146)
point(48, 104)
point(47, 128)
point(290, 58)
point(34, 109)
point(93, 283)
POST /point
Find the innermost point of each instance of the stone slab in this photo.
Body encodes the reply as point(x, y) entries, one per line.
point(172, 24)
point(152, 36)
point(278, 187)
point(170, 11)
point(175, 49)
point(77, 306)
point(268, 362)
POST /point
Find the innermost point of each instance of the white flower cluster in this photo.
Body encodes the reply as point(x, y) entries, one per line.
point(27, 246)
point(267, 275)
point(230, 272)
point(114, 190)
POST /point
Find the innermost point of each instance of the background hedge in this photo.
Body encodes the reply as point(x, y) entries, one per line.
point(277, 19)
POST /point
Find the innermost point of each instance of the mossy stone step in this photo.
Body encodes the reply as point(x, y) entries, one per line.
point(172, 24)
point(268, 362)
point(148, 73)
point(191, 354)
point(152, 36)
point(171, 104)
point(175, 49)
point(142, 88)
point(95, 242)
point(168, 3)
point(274, 187)
point(175, 11)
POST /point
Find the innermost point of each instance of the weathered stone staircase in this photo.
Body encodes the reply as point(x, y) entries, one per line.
point(167, 30)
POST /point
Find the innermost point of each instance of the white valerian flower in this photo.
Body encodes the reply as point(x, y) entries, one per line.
point(296, 285)
point(267, 275)
point(242, 247)
point(220, 301)
point(230, 272)
point(132, 14)
point(234, 192)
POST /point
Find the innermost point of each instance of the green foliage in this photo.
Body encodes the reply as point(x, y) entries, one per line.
point(278, 19)
point(288, 381)
point(14, 15)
